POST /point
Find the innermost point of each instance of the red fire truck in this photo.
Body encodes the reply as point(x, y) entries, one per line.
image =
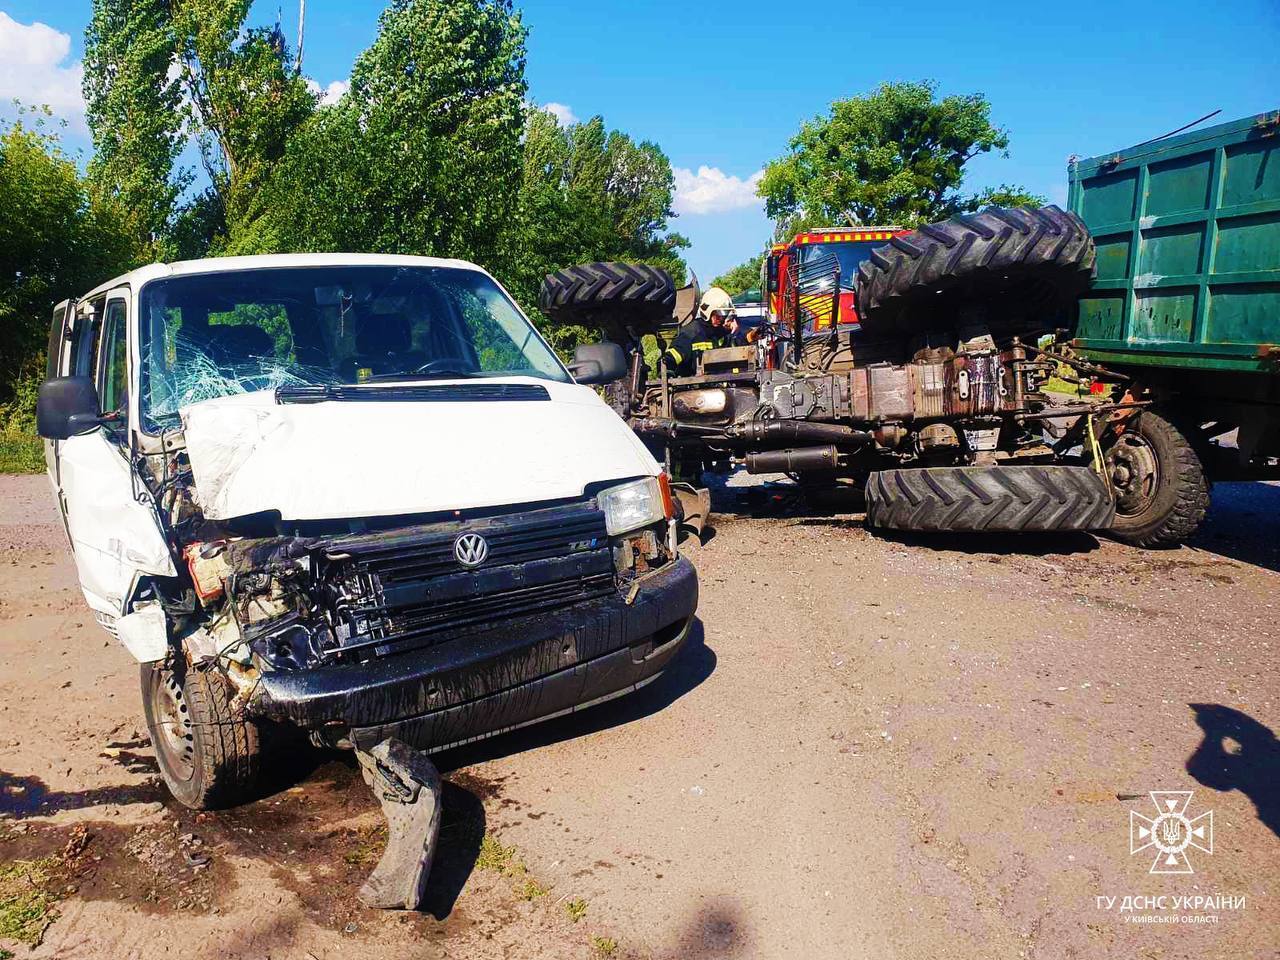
point(824, 253)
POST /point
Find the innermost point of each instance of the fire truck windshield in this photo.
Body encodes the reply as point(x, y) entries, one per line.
point(849, 252)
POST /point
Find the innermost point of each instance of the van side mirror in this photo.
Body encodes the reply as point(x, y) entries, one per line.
point(67, 407)
point(598, 363)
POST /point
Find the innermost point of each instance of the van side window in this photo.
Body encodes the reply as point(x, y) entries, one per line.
point(57, 335)
point(84, 342)
point(113, 363)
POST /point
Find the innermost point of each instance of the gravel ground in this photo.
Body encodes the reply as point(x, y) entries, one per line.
point(872, 747)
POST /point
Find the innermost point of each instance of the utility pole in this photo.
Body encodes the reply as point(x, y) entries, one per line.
point(302, 20)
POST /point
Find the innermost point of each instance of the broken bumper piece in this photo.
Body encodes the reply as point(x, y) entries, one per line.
point(526, 669)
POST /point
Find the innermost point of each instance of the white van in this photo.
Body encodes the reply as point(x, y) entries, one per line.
point(354, 493)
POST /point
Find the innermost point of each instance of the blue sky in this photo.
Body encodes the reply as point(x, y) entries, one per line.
point(722, 86)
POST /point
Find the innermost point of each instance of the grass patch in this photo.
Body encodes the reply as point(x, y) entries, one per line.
point(604, 946)
point(495, 857)
point(1058, 385)
point(576, 909)
point(532, 889)
point(369, 844)
point(21, 453)
point(27, 899)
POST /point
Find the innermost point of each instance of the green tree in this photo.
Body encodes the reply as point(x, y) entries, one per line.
point(894, 156)
point(423, 153)
point(133, 105)
point(587, 193)
point(57, 239)
point(745, 276)
point(245, 101)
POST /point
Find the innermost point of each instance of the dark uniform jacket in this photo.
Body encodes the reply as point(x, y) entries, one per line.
point(692, 338)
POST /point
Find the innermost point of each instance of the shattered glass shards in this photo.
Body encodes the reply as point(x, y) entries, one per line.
point(195, 376)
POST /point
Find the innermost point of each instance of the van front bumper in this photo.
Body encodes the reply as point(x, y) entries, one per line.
point(526, 669)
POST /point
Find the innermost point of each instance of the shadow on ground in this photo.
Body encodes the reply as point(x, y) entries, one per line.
point(999, 544)
point(1238, 753)
point(1243, 524)
point(29, 796)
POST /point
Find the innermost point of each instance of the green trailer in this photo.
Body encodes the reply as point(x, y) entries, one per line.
point(1186, 305)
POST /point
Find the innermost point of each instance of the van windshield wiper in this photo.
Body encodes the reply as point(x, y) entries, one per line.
point(440, 374)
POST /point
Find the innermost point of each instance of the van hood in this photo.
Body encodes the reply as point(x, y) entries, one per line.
point(342, 459)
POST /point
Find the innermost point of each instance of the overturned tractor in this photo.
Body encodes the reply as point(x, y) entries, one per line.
point(916, 370)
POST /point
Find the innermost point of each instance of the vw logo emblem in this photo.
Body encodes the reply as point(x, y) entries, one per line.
point(471, 549)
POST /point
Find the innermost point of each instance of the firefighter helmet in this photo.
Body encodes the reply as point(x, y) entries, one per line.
point(715, 300)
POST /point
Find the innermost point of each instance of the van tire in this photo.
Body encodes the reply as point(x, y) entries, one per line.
point(1017, 264)
point(212, 758)
point(610, 293)
point(976, 499)
point(1169, 506)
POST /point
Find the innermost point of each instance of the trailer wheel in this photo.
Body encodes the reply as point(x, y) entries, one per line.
point(989, 499)
point(208, 755)
point(614, 296)
point(1162, 493)
point(1017, 267)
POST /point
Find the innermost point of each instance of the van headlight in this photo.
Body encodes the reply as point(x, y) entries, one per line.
point(629, 506)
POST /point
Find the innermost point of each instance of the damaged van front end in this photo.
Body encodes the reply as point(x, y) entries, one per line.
point(355, 495)
point(443, 632)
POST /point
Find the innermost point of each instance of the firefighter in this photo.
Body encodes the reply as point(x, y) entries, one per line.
point(714, 325)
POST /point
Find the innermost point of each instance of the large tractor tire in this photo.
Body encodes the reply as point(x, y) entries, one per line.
point(1013, 269)
point(1162, 493)
point(615, 297)
point(209, 755)
point(989, 499)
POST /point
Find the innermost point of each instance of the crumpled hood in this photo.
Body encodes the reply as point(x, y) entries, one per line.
point(346, 459)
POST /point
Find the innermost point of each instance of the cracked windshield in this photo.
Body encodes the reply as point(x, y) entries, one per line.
point(217, 334)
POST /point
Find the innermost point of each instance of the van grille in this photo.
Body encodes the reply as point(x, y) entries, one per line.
point(400, 590)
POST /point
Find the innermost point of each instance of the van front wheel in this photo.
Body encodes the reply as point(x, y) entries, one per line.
point(208, 754)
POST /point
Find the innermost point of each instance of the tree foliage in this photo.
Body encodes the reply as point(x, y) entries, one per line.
point(244, 101)
point(745, 276)
point(56, 238)
point(894, 156)
point(134, 109)
point(433, 150)
point(422, 155)
point(588, 193)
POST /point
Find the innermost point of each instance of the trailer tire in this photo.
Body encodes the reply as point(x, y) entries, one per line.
point(209, 755)
point(1162, 493)
point(632, 295)
point(1020, 265)
point(989, 499)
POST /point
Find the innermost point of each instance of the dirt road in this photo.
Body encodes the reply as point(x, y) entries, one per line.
point(874, 748)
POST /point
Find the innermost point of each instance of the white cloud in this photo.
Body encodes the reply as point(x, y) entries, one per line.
point(711, 190)
point(564, 116)
point(330, 94)
point(32, 69)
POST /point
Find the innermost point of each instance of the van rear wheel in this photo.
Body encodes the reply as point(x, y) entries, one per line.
point(208, 754)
